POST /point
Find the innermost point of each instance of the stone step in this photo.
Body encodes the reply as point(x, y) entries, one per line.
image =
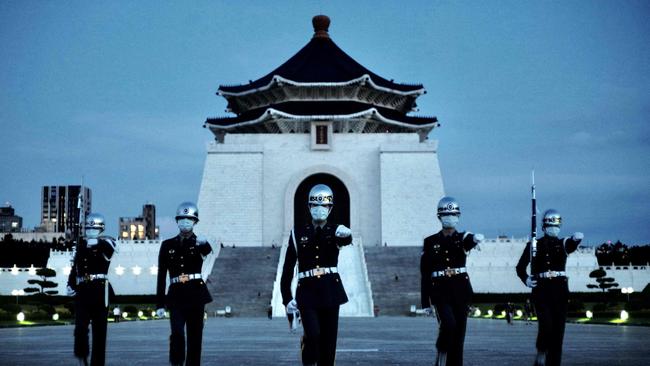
point(394, 273)
point(242, 278)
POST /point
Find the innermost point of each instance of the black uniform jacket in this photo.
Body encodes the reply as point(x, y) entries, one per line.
point(551, 255)
point(180, 256)
point(94, 259)
point(440, 252)
point(316, 249)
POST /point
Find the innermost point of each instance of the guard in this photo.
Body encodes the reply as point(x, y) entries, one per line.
point(182, 256)
point(88, 283)
point(319, 292)
point(550, 286)
point(445, 283)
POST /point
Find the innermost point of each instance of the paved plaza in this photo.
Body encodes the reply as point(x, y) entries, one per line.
point(362, 341)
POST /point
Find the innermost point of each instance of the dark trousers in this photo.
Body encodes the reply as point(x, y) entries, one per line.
point(551, 307)
point(451, 336)
point(192, 318)
point(90, 308)
point(321, 329)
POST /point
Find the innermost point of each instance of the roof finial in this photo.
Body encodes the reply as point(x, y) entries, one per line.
point(321, 25)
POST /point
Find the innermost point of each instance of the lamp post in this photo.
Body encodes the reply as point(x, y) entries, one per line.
point(627, 291)
point(17, 293)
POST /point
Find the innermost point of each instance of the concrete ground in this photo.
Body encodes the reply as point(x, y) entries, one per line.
point(362, 341)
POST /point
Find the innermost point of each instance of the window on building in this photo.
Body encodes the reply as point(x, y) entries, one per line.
point(321, 135)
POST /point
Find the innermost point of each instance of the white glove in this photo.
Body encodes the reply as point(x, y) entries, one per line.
point(530, 282)
point(343, 232)
point(160, 313)
point(295, 321)
point(577, 236)
point(70, 291)
point(91, 242)
point(292, 306)
point(428, 311)
point(478, 238)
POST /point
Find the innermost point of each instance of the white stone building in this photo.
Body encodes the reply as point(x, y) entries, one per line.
point(320, 118)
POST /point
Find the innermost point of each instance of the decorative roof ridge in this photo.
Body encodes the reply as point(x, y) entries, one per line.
point(277, 79)
point(368, 112)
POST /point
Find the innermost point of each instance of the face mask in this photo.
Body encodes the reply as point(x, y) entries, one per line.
point(553, 231)
point(92, 233)
point(185, 225)
point(449, 221)
point(319, 213)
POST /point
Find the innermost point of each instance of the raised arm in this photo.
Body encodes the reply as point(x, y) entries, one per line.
point(571, 243)
point(343, 236)
point(204, 246)
point(470, 241)
point(108, 247)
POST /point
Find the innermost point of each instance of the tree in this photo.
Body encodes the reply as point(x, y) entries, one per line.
point(43, 283)
point(604, 283)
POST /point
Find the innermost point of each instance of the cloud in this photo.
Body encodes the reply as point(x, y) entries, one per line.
point(586, 138)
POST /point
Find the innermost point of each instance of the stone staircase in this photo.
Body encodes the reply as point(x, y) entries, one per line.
point(242, 278)
point(391, 295)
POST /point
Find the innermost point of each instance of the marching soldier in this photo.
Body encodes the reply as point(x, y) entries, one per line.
point(320, 292)
point(550, 288)
point(445, 283)
point(182, 256)
point(88, 283)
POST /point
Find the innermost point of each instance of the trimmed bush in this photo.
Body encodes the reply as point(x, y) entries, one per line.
point(11, 308)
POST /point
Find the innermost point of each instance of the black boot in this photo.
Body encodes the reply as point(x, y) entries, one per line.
point(540, 360)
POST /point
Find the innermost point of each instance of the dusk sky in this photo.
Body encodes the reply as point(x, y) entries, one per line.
point(118, 92)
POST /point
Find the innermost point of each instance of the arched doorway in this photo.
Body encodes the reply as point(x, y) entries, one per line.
point(340, 213)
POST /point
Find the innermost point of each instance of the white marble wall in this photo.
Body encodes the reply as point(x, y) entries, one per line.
point(411, 186)
point(133, 269)
point(249, 182)
point(491, 269)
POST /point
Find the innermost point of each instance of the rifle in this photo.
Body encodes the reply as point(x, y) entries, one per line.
point(533, 224)
point(82, 220)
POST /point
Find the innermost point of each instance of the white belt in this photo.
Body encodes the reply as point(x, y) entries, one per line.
point(186, 277)
point(449, 272)
point(91, 277)
point(317, 272)
point(551, 274)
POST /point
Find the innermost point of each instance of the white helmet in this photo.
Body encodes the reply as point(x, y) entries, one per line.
point(448, 206)
point(321, 194)
point(95, 221)
point(551, 218)
point(187, 210)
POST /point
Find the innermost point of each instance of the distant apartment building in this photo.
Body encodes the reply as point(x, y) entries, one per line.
point(9, 222)
point(140, 228)
point(60, 210)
